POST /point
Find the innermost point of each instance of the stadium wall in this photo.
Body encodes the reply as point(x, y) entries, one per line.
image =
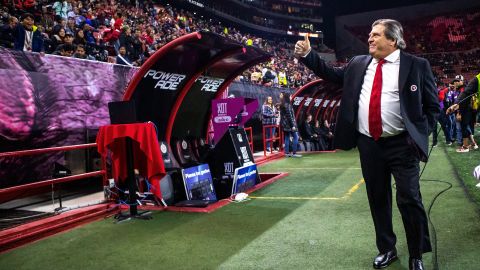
point(50, 101)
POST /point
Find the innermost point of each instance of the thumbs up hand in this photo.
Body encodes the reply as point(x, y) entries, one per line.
point(302, 47)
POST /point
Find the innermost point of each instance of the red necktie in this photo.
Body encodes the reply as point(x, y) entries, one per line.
point(374, 110)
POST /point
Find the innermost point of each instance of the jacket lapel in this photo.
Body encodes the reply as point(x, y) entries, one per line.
point(405, 63)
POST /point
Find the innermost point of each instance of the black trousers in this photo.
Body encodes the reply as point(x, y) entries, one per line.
point(380, 160)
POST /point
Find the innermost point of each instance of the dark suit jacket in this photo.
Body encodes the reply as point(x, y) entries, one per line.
point(418, 97)
point(307, 131)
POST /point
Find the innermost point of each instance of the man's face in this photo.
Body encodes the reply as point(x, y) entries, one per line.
point(122, 50)
point(379, 46)
point(80, 51)
point(14, 22)
point(69, 39)
point(309, 118)
point(67, 53)
point(28, 22)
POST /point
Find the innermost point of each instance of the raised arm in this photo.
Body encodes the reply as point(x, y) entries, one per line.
point(465, 96)
point(312, 60)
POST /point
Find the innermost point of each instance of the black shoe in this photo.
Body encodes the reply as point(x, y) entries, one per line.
point(415, 264)
point(385, 259)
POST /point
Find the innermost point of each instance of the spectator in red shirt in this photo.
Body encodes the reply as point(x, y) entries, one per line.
point(148, 36)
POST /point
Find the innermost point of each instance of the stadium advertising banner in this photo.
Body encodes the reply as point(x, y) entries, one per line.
point(231, 111)
point(198, 183)
point(257, 92)
point(245, 178)
point(225, 112)
point(50, 101)
point(242, 148)
point(249, 109)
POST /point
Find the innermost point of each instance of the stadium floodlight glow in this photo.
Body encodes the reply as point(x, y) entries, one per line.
point(302, 34)
point(196, 3)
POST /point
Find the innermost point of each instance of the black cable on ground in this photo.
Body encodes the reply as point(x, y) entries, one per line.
point(432, 226)
point(434, 231)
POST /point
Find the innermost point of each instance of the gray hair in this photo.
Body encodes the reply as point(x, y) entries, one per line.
point(393, 31)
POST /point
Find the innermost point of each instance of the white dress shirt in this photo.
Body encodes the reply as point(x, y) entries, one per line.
point(392, 121)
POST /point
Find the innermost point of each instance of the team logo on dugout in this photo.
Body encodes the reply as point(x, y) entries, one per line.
point(163, 148)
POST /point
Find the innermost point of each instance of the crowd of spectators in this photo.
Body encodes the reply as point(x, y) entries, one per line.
point(447, 65)
point(458, 127)
point(264, 7)
point(127, 33)
point(449, 41)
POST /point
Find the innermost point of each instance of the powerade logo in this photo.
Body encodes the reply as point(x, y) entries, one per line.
point(165, 80)
point(210, 84)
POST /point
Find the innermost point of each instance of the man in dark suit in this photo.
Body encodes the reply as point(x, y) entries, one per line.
point(389, 107)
